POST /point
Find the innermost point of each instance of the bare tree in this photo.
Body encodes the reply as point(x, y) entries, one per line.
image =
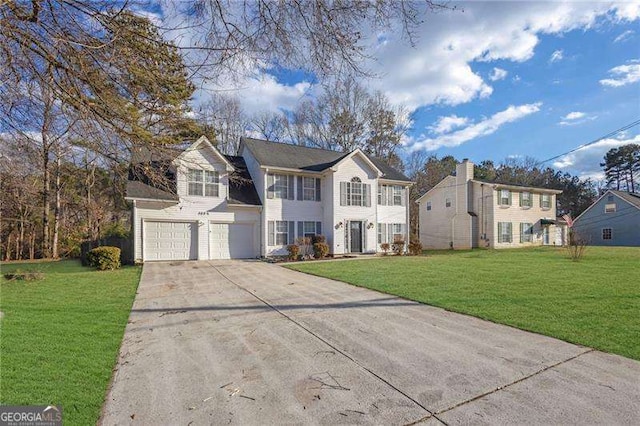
point(271, 126)
point(224, 114)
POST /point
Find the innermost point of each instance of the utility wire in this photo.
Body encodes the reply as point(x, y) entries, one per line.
point(608, 135)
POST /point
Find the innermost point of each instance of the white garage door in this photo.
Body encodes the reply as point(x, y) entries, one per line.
point(232, 241)
point(170, 241)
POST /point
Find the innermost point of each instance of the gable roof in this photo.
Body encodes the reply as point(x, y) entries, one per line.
point(630, 197)
point(203, 140)
point(437, 185)
point(241, 188)
point(303, 158)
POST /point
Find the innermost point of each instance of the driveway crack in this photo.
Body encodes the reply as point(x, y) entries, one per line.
point(335, 348)
point(522, 379)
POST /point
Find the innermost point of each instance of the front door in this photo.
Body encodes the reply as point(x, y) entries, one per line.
point(355, 236)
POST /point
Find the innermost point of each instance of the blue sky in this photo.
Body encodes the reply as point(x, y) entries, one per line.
point(497, 79)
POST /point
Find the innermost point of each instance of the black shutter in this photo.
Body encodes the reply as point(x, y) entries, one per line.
point(300, 197)
point(300, 229)
point(317, 189)
point(292, 230)
point(318, 228)
point(290, 187)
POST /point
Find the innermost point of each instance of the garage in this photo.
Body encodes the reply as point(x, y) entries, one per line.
point(170, 240)
point(232, 241)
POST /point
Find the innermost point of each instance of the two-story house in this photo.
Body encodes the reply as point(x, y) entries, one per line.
point(461, 212)
point(258, 202)
point(612, 220)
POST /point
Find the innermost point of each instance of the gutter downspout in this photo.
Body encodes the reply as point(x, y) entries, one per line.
point(264, 230)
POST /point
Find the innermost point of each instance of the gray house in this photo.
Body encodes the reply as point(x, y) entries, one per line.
point(613, 220)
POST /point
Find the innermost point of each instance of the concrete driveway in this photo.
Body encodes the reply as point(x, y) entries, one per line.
point(248, 342)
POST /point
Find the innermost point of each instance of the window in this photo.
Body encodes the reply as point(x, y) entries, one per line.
point(525, 199)
point(428, 205)
point(203, 182)
point(545, 201)
point(447, 202)
point(309, 229)
point(390, 232)
point(526, 232)
point(397, 195)
point(610, 208)
point(505, 197)
point(390, 195)
point(280, 186)
point(211, 184)
point(505, 234)
point(398, 232)
point(280, 232)
point(194, 180)
point(607, 234)
point(355, 193)
point(609, 198)
point(308, 189)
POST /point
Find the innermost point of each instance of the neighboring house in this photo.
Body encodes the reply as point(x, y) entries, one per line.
point(257, 203)
point(461, 212)
point(612, 220)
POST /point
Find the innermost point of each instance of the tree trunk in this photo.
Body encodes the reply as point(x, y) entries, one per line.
point(56, 211)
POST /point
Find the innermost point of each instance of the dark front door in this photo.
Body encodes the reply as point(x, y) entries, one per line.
point(355, 236)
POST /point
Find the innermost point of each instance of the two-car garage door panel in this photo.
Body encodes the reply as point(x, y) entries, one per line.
point(170, 241)
point(232, 241)
point(179, 240)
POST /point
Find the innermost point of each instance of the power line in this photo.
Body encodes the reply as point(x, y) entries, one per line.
point(608, 135)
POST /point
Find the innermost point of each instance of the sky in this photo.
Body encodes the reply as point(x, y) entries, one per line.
point(494, 80)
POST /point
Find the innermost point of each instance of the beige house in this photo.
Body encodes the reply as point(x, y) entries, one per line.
point(461, 212)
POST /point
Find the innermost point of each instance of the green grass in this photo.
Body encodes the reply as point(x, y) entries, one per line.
point(60, 336)
point(594, 302)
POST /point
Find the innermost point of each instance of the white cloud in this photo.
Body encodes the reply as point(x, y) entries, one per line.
point(498, 74)
point(556, 56)
point(447, 124)
point(624, 36)
point(574, 115)
point(585, 162)
point(623, 75)
point(482, 128)
point(439, 70)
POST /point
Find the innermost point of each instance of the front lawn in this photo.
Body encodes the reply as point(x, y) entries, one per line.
point(594, 302)
point(60, 336)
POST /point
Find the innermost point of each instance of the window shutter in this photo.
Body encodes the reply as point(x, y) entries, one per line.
point(367, 194)
point(347, 242)
point(343, 193)
point(269, 186)
point(510, 232)
point(499, 232)
point(390, 233)
point(292, 231)
point(317, 189)
point(521, 229)
point(291, 178)
point(300, 229)
point(389, 191)
point(510, 198)
point(300, 198)
point(364, 236)
point(403, 201)
point(271, 237)
point(520, 199)
point(540, 198)
point(318, 228)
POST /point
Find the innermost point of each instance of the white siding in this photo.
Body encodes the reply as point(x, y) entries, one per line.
point(254, 170)
point(436, 225)
point(293, 210)
point(200, 213)
point(516, 215)
point(354, 167)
